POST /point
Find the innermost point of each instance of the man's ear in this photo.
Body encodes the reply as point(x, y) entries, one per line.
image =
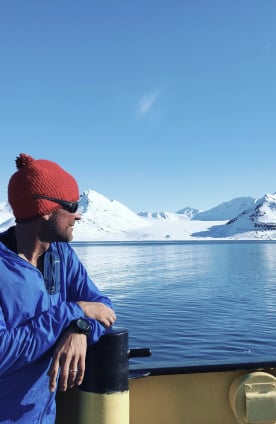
point(47, 217)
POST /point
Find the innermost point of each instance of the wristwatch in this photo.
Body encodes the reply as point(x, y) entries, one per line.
point(82, 326)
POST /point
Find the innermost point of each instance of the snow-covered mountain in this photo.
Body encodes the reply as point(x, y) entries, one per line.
point(110, 220)
point(5, 211)
point(226, 210)
point(257, 222)
point(171, 216)
point(222, 212)
point(6, 216)
point(102, 217)
point(260, 218)
point(188, 212)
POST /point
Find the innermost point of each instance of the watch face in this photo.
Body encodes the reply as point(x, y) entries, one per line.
point(83, 325)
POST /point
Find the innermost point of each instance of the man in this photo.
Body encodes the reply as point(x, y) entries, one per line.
point(49, 307)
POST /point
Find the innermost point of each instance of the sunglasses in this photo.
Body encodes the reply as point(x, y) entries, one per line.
point(71, 207)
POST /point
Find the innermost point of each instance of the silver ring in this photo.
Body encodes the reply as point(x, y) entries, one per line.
point(73, 370)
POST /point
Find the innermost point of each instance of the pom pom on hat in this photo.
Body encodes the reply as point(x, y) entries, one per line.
point(39, 178)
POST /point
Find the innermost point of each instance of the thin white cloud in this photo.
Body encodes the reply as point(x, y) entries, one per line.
point(147, 102)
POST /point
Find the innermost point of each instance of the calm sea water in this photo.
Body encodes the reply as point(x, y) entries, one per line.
point(191, 302)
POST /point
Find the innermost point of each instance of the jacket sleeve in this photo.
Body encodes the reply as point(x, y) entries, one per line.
point(31, 339)
point(83, 288)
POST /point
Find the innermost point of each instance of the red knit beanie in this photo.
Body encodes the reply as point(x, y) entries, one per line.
point(39, 178)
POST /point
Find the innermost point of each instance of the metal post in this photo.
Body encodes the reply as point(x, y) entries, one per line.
point(104, 393)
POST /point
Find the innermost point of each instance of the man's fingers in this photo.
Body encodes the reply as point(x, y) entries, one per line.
point(72, 376)
point(80, 373)
point(67, 375)
point(53, 375)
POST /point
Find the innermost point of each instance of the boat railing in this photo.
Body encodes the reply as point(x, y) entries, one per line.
point(115, 392)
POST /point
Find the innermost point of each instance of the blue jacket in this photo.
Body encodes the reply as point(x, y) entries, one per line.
point(33, 314)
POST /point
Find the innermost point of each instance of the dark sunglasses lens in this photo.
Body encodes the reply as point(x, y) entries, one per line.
point(73, 207)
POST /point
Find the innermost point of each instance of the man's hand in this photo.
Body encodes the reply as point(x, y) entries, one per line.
point(98, 311)
point(69, 358)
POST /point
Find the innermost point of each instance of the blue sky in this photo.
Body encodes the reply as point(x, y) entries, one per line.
point(157, 104)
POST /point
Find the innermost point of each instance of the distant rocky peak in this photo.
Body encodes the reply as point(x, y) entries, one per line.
point(260, 217)
point(188, 211)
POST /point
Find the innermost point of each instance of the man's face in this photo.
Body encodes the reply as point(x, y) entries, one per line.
point(59, 226)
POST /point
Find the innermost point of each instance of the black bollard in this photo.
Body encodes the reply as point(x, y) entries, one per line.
point(104, 393)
